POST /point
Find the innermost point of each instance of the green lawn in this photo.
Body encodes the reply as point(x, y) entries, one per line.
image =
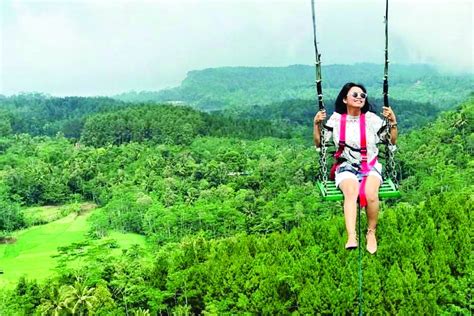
point(31, 254)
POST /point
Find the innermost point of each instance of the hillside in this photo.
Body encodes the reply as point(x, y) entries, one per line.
point(115, 122)
point(39, 114)
point(219, 88)
point(299, 112)
point(238, 227)
point(240, 96)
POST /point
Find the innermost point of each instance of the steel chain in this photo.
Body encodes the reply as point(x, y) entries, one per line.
point(322, 158)
point(391, 168)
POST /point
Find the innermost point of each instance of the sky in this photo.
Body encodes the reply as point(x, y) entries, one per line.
point(106, 47)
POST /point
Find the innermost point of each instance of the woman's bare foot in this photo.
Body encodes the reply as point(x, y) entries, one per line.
point(371, 241)
point(351, 241)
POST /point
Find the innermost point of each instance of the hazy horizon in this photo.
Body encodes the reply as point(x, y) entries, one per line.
point(84, 47)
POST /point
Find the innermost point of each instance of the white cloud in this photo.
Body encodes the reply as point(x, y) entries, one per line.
point(104, 47)
point(436, 31)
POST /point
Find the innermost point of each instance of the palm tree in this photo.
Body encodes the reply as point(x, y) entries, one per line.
point(54, 304)
point(79, 297)
point(141, 312)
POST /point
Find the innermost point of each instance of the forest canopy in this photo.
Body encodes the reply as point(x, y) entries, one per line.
point(229, 209)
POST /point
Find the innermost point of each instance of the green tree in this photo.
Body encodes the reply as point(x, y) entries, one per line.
point(79, 298)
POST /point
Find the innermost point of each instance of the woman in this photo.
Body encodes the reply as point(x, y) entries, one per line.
point(353, 111)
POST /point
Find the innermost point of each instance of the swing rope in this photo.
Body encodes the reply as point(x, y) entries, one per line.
point(391, 169)
point(323, 176)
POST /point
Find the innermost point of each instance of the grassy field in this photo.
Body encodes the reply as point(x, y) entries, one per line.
point(45, 214)
point(31, 254)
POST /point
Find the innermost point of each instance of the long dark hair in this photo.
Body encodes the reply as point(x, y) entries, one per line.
point(341, 107)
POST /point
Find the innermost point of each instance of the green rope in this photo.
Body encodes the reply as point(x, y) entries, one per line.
point(360, 262)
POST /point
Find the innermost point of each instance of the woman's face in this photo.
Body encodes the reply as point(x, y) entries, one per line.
point(355, 98)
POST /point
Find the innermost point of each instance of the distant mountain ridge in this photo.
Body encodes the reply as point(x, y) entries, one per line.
point(220, 88)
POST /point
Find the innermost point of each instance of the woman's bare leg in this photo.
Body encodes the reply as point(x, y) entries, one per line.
point(350, 189)
point(372, 193)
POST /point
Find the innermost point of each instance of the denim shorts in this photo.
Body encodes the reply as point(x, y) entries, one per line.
point(347, 171)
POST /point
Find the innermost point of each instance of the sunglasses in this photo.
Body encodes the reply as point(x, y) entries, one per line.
point(356, 94)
